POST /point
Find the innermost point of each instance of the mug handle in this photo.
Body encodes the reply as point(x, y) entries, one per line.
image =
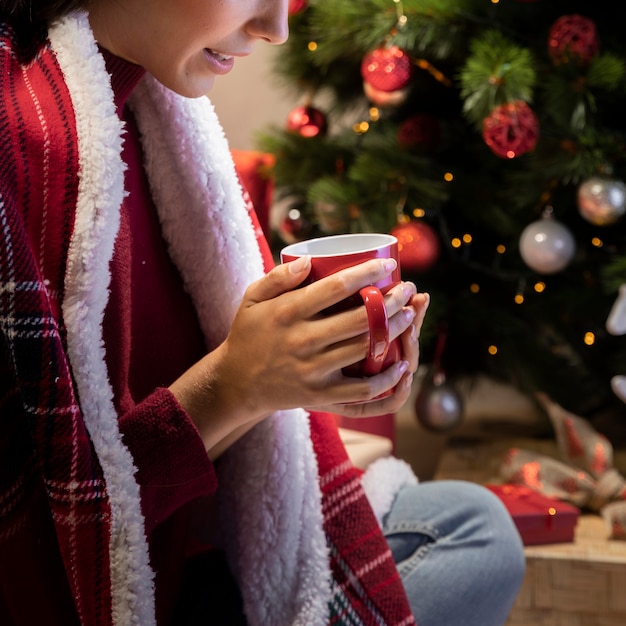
point(378, 323)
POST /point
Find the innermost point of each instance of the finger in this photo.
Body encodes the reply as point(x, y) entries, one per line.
point(330, 290)
point(342, 389)
point(280, 279)
point(410, 337)
point(390, 404)
point(398, 297)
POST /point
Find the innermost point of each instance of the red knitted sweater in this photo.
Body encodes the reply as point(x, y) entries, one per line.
point(56, 499)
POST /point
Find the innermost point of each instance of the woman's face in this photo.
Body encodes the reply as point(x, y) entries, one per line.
point(186, 43)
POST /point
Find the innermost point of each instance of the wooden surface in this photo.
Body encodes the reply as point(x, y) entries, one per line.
point(571, 584)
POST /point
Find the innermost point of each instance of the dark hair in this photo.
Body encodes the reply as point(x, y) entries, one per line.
point(30, 20)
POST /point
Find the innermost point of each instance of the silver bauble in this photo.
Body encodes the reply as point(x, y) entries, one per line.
point(438, 405)
point(602, 201)
point(547, 246)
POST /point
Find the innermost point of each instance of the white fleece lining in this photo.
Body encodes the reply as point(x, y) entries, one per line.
point(269, 479)
point(100, 194)
point(382, 481)
point(269, 490)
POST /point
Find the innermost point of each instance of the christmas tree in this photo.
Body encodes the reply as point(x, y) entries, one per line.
point(489, 137)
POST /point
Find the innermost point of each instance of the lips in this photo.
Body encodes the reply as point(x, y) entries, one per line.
point(220, 63)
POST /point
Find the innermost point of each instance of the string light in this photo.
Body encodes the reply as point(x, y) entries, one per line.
point(427, 66)
point(493, 350)
point(417, 212)
point(597, 242)
point(519, 298)
point(448, 177)
point(467, 238)
point(456, 242)
point(374, 114)
point(539, 287)
point(474, 287)
point(590, 338)
point(501, 249)
point(361, 128)
point(312, 46)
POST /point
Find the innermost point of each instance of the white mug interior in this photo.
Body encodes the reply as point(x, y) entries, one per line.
point(355, 243)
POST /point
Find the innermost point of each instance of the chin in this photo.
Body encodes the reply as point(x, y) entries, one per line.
point(189, 88)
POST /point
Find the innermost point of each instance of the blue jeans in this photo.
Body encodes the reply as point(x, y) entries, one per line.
point(458, 553)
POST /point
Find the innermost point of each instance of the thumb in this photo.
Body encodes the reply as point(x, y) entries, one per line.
point(282, 278)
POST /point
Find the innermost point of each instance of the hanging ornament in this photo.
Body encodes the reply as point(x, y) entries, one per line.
point(289, 221)
point(547, 246)
point(385, 99)
point(297, 6)
point(386, 69)
point(438, 405)
point(602, 201)
point(422, 130)
point(307, 121)
point(573, 39)
point(418, 246)
point(386, 73)
point(511, 129)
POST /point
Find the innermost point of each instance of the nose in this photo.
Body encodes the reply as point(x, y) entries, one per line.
point(271, 21)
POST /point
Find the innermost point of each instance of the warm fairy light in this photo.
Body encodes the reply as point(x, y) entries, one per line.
point(312, 46)
point(510, 154)
point(448, 177)
point(519, 298)
point(456, 242)
point(433, 71)
point(402, 20)
point(501, 249)
point(551, 511)
point(417, 212)
point(467, 238)
point(493, 350)
point(540, 287)
point(403, 219)
point(590, 338)
point(361, 128)
point(597, 242)
point(474, 287)
point(374, 114)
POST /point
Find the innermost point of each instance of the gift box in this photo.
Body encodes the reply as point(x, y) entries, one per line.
point(539, 519)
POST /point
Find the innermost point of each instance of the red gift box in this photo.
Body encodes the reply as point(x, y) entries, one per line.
point(539, 519)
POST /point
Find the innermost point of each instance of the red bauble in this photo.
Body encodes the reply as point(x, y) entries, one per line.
point(297, 6)
point(386, 69)
point(385, 99)
point(418, 246)
point(573, 38)
point(511, 129)
point(420, 130)
point(294, 227)
point(307, 121)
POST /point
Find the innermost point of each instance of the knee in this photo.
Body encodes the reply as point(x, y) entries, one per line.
point(497, 533)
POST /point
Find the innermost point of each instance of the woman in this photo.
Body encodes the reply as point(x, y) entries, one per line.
point(157, 463)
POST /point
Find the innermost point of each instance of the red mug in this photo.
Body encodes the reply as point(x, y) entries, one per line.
point(334, 253)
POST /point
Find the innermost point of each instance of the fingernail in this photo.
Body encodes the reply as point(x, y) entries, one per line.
point(413, 335)
point(409, 313)
point(427, 304)
point(300, 264)
point(408, 381)
point(390, 265)
point(403, 366)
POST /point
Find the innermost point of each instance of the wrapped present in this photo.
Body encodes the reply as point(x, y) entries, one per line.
point(584, 477)
point(538, 518)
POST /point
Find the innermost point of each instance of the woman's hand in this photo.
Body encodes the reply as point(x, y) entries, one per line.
point(282, 352)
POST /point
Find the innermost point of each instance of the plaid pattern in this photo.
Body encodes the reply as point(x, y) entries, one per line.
point(38, 190)
point(47, 459)
point(366, 588)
